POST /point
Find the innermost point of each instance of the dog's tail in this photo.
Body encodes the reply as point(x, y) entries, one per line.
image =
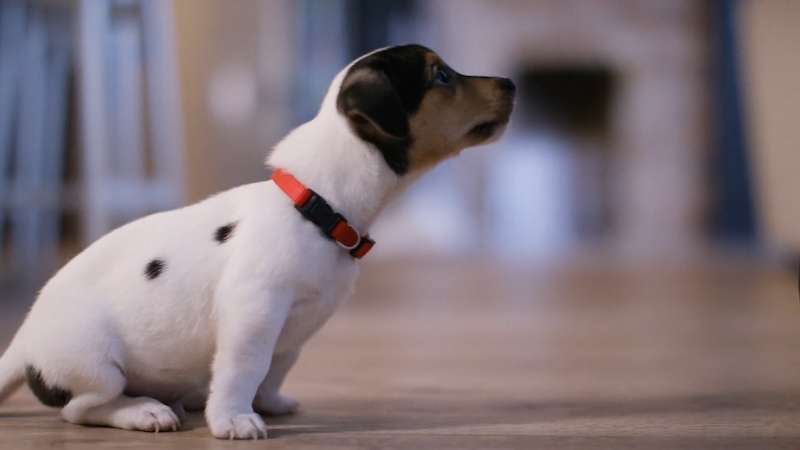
point(12, 372)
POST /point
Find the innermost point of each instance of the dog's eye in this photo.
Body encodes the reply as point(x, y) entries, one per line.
point(442, 77)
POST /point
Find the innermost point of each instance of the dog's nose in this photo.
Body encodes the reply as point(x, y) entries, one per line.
point(507, 85)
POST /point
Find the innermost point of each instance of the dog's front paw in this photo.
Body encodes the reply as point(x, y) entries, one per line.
point(240, 426)
point(276, 405)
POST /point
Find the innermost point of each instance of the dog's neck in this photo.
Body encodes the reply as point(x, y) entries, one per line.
point(327, 157)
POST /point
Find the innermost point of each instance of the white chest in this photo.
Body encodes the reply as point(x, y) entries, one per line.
point(312, 307)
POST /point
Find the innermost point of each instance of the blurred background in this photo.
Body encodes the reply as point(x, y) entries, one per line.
point(645, 131)
point(620, 253)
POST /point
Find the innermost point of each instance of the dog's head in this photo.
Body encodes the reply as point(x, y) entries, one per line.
point(417, 111)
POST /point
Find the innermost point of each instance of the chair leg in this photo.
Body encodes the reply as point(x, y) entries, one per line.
point(163, 90)
point(126, 98)
point(55, 136)
point(12, 34)
point(26, 223)
point(93, 19)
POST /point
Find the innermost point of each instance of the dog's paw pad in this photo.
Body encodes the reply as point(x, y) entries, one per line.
point(241, 426)
point(276, 405)
point(152, 416)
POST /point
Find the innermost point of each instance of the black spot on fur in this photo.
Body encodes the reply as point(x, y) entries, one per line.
point(225, 232)
point(378, 95)
point(53, 396)
point(154, 269)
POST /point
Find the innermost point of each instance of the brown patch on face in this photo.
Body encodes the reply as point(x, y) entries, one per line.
point(473, 111)
point(417, 111)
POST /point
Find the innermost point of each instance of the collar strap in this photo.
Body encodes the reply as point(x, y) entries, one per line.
point(315, 209)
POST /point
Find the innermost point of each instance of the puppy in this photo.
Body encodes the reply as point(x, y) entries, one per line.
point(208, 306)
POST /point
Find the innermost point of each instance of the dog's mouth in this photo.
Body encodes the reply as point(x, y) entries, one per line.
point(485, 130)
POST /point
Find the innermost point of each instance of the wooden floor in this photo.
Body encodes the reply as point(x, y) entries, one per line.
point(703, 355)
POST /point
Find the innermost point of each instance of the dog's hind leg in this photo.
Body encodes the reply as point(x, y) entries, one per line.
point(102, 402)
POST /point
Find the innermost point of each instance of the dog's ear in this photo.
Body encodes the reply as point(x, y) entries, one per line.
point(372, 107)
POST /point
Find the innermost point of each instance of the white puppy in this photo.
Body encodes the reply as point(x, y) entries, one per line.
point(208, 305)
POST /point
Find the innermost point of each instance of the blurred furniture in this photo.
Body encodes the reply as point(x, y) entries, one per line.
point(35, 58)
point(637, 183)
point(126, 109)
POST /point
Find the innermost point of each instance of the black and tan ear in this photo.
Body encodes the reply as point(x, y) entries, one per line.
point(374, 111)
point(372, 106)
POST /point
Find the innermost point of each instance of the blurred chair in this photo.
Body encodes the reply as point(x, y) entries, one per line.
point(130, 144)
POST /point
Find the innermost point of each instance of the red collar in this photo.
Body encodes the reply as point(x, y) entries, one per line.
point(314, 208)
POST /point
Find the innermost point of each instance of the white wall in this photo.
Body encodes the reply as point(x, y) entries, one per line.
point(236, 74)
